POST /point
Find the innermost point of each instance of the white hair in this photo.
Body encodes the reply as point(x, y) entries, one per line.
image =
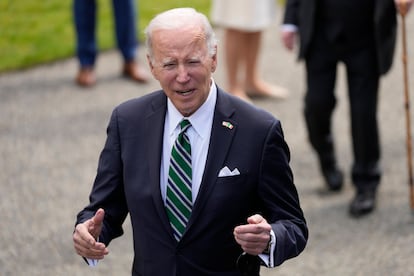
point(179, 18)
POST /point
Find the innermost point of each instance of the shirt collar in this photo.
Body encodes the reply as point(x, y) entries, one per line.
point(199, 118)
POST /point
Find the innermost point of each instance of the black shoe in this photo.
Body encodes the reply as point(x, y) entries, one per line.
point(363, 202)
point(334, 178)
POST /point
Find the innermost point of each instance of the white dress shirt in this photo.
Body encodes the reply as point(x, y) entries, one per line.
point(198, 134)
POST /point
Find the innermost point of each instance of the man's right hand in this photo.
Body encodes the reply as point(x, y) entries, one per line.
point(85, 236)
point(288, 39)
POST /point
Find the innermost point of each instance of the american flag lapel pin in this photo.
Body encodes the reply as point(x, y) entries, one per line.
point(227, 124)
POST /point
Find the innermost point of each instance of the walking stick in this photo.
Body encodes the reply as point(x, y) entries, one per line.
point(403, 12)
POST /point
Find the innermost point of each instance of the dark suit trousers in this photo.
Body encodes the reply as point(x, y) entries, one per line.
point(359, 58)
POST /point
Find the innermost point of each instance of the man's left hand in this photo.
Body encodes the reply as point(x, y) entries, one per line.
point(254, 236)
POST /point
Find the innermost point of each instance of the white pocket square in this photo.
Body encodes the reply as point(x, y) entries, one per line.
point(226, 172)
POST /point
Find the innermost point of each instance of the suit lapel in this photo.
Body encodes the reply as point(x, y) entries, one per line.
point(220, 141)
point(154, 127)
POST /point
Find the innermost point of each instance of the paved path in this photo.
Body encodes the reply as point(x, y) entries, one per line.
point(51, 133)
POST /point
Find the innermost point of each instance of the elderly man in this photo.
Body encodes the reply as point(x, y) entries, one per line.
point(204, 176)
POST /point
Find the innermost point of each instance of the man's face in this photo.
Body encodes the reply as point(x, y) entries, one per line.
point(182, 65)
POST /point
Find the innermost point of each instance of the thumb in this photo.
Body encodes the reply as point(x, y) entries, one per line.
point(98, 217)
point(96, 223)
point(256, 219)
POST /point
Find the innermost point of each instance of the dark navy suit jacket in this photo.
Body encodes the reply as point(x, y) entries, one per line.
point(303, 13)
point(128, 181)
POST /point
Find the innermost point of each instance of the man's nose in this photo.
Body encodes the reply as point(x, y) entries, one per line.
point(182, 73)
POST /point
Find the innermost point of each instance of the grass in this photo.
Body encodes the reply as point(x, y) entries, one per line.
point(34, 32)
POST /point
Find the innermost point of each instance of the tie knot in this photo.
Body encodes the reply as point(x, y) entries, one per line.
point(184, 124)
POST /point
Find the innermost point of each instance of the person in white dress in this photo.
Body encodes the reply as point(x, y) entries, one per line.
point(243, 22)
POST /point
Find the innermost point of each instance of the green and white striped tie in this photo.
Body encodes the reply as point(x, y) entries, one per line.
point(179, 195)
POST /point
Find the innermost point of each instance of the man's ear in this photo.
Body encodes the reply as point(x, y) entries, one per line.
point(214, 62)
point(151, 66)
point(149, 62)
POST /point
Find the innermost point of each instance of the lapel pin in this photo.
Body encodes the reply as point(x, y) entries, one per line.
point(227, 124)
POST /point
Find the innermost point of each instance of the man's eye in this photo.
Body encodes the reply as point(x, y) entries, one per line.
point(193, 62)
point(169, 65)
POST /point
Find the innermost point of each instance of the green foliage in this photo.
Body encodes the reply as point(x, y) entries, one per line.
point(34, 32)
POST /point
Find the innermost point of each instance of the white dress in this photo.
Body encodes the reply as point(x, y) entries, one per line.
point(245, 15)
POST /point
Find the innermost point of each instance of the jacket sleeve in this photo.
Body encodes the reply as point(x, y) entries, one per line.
point(108, 191)
point(291, 12)
point(281, 198)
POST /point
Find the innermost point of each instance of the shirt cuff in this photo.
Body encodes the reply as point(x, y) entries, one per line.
point(289, 28)
point(91, 262)
point(268, 259)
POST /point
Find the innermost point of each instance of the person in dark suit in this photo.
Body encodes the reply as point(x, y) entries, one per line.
point(243, 204)
point(361, 35)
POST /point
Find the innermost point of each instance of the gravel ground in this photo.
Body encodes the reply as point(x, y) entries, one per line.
point(51, 133)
